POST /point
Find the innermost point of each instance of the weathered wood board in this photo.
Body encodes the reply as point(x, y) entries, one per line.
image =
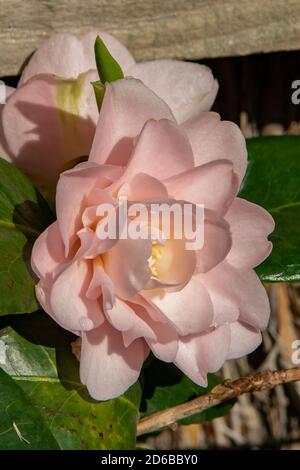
point(191, 29)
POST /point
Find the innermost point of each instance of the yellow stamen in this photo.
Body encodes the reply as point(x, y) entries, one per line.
point(155, 256)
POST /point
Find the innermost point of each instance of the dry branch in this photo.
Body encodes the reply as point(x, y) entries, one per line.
point(256, 383)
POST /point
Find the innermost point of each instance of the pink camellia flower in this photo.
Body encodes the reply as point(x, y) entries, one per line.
point(48, 123)
point(125, 297)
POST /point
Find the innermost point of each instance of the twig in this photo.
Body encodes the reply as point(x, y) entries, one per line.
point(255, 383)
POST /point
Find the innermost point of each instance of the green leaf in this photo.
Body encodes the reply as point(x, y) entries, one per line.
point(99, 90)
point(38, 357)
point(23, 215)
point(21, 424)
point(273, 181)
point(165, 386)
point(108, 68)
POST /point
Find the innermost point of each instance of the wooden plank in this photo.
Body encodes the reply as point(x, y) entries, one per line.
point(191, 29)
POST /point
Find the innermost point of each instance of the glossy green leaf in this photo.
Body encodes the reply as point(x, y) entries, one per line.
point(23, 215)
point(108, 68)
point(38, 357)
point(273, 181)
point(165, 386)
point(21, 424)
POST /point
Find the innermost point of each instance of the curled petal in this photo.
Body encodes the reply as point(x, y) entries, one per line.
point(73, 189)
point(213, 184)
point(244, 339)
point(107, 367)
point(244, 289)
point(69, 302)
point(216, 243)
point(189, 310)
point(250, 226)
point(162, 150)
point(48, 253)
point(199, 354)
point(127, 266)
point(188, 96)
point(127, 105)
point(213, 139)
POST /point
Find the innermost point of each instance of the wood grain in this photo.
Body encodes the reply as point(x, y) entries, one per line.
point(190, 29)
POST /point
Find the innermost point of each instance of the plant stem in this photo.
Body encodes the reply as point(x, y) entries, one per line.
point(255, 383)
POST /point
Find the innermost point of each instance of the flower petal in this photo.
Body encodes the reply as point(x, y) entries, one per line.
point(127, 266)
point(162, 150)
point(48, 253)
point(244, 289)
point(107, 368)
point(189, 310)
point(73, 189)
point(69, 302)
point(213, 184)
point(216, 243)
point(127, 105)
point(142, 188)
point(48, 124)
point(250, 226)
point(199, 354)
point(160, 336)
point(244, 340)
point(189, 95)
point(66, 55)
point(213, 139)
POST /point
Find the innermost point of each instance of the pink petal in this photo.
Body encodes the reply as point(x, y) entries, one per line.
point(213, 184)
point(255, 306)
point(244, 289)
point(68, 56)
point(217, 243)
point(244, 340)
point(225, 309)
point(165, 345)
point(101, 284)
point(69, 302)
point(199, 354)
point(160, 336)
point(126, 318)
point(250, 226)
point(48, 252)
point(188, 310)
point(162, 150)
point(48, 124)
point(213, 139)
point(142, 188)
point(127, 266)
point(73, 189)
point(107, 368)
point(42, 290)
point(188, 88)
point(127, 106)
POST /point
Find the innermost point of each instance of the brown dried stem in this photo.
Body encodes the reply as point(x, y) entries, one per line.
point(255, 383)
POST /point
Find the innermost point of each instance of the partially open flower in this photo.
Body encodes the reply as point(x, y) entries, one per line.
point(48, 123)
point(127, 296)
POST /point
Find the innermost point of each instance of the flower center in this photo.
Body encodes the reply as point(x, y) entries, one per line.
point(155, 256)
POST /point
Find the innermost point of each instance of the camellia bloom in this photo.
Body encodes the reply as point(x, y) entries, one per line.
point(48, 123)
point(125, 297)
